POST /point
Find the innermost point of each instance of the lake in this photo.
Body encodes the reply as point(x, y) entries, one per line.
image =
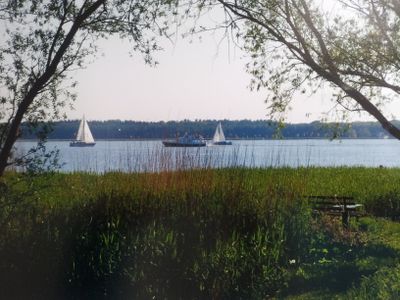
point(139, 156)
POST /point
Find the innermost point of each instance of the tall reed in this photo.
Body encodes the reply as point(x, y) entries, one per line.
point(200, 233)
point(178, 229)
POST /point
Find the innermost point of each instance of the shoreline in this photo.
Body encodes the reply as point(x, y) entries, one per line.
point(230, 139)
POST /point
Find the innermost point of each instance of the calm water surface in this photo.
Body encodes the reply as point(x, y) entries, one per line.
point(134, 156)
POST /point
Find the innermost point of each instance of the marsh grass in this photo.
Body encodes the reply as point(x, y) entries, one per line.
point(199, 233)
point(190, 233)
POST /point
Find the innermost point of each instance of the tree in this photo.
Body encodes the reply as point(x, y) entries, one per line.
point(300, 45)
point(46, 39)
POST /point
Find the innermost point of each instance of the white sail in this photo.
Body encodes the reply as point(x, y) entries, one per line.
point(219, 134)
point(84, 133)
point(80, 135)
point(88, 134)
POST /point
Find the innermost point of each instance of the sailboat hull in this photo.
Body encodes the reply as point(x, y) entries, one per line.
point(81, 144)
point(222, 143)
point(181, 144)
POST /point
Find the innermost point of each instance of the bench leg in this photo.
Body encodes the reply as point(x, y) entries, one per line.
point(345, 219)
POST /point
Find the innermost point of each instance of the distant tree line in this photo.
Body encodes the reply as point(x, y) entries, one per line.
point(241, 129)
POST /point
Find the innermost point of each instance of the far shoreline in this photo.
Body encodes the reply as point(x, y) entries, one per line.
point(231, 139)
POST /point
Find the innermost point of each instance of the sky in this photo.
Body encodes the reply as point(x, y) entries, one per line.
point(198, 80)
point(194, 80)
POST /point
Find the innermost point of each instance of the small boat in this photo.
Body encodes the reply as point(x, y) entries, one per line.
point(219, 137)
point(84, 138)
point(185, 141)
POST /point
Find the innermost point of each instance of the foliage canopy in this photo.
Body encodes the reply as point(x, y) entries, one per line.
point(46, 39)
point(297, 46)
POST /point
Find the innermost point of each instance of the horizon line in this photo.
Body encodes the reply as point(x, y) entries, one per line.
point(219, 120)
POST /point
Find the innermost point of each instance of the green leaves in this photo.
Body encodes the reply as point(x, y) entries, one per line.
point(296, 46)
point(47, 39)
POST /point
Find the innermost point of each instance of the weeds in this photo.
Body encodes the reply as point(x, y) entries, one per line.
point(187, 234)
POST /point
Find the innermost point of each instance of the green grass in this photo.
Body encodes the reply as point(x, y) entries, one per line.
point(342, 264)
point(198, 234)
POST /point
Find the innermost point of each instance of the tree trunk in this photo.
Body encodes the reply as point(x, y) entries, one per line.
point(38, 85)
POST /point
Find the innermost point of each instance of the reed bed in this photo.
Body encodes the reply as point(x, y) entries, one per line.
point(186, 233)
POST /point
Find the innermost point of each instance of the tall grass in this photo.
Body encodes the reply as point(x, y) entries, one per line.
point(197, 233)
point(217, 234)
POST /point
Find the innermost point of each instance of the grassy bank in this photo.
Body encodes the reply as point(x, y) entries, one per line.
point(200, 234)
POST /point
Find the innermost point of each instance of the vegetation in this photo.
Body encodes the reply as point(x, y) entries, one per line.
point(294, 46)
point(242, 129)
point(197, 234)
point(297, 46)
point(45, 40)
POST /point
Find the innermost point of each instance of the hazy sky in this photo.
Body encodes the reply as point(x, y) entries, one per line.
point(196, 80)
point(199, 80)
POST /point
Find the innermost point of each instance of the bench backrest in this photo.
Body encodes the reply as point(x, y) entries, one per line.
point(333, 203)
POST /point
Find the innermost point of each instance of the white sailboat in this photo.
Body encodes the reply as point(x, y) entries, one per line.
point(84, 138)
point(219, 136)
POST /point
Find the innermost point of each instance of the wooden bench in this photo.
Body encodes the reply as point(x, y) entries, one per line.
point(343, 206)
